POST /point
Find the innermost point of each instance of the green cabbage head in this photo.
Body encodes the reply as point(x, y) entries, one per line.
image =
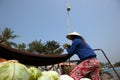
point(45, 77)
point(12, 70)
point(35, 73)
point(53, 75)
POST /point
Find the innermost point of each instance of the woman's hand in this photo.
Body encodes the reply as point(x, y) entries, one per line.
point(65, 46)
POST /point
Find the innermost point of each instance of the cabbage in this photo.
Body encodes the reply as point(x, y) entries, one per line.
point(46, 73)
point(34, 73)
point(65, 77)
point(12, 70)
point(85, 79)
point(44, 77)
point(53, 75)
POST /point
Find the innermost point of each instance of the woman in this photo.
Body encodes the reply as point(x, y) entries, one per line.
point(89, 65)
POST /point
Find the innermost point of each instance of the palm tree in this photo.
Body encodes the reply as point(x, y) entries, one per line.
point(36, 47)
point(53, 47)
point(6, 36)
point(50, 47)
point(21, 46)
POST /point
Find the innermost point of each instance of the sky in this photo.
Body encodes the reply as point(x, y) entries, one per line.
point(98, 21)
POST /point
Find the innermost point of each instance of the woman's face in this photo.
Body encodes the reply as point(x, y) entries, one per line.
point(71, 37)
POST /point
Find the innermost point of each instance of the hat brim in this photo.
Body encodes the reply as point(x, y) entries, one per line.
point(69, 36)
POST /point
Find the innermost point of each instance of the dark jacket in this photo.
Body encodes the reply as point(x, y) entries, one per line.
point(83, 50)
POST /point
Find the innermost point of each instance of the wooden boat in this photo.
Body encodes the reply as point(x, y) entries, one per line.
point(29, 58)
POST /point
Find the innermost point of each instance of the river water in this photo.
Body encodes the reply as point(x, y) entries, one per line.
point(112, 72)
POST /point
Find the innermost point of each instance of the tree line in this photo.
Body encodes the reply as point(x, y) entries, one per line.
point(36, 46)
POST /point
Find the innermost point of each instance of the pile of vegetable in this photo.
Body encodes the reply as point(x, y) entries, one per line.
point(13, 70)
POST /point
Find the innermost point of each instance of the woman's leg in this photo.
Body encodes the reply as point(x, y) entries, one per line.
point(84, 68)
point(95, 75)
